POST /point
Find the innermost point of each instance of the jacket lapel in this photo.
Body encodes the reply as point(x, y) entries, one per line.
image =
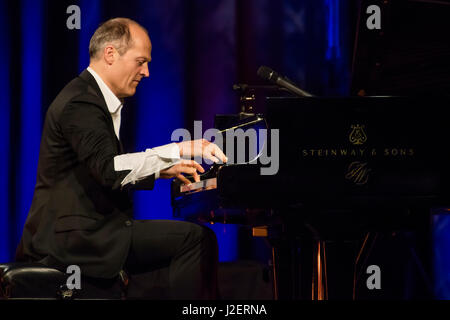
point(87, 76)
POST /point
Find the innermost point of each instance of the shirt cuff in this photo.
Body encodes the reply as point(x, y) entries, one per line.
point(168, 151)
point(144, 164)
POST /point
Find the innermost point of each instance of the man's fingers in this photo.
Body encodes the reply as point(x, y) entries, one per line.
point(193, 164)
point(183, 179)
point(193, 172)
point(212, 158)
point(219, 154)
point(209, 156)
point(203, 148)
point(196, 177)
point(214, 153)
point(191, 168)
point(197, 166)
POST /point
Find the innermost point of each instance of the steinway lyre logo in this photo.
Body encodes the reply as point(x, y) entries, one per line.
point(357, 136)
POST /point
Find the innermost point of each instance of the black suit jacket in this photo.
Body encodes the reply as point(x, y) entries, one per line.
point(79, 214)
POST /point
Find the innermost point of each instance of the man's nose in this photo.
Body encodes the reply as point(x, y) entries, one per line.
point(144, 71)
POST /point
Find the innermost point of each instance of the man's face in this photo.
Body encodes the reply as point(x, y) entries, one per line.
point(128, 70)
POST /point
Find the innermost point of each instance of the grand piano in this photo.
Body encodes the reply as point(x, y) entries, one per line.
point(346, 167)
point(349, 168)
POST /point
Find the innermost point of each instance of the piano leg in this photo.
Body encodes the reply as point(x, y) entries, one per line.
point(282, 277)
point(319, 276)
point(285, 264)
point(275, 275)
point(366, 249)
point(299, 262)
point(293, 268)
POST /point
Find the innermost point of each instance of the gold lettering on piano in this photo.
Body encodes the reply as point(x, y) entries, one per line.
point(361, 152)
point(398, 152)
point(357, 136)
point(358, 172)
point(333, 152)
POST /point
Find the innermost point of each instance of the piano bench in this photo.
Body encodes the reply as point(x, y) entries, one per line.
point(34, 281)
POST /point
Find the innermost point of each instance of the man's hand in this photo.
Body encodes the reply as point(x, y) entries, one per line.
point(201, 148)
point(185, 166)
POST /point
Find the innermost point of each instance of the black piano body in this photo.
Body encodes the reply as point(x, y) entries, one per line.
point(341, 154)
point(345, 165)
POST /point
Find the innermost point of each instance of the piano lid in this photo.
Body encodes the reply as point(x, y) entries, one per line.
point(409, 55)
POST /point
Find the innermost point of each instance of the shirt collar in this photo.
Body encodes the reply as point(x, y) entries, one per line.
point(112, 102)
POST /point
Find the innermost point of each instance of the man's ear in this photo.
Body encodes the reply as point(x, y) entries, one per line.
point(109, 54)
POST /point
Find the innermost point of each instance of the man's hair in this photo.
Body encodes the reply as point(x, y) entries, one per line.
point(115, 31)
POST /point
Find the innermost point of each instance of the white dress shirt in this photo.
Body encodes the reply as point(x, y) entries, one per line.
point(141, 164)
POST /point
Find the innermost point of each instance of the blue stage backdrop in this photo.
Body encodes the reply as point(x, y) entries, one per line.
point(200, 49)
point(441, 253)
point(31, 35)
point(6, 223)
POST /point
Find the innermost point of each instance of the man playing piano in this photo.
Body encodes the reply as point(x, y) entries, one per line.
point(81, 212)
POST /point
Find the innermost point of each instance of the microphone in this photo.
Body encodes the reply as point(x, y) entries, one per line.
point(268, 74)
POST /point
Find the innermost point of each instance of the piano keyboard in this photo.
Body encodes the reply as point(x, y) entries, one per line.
point(206, 184)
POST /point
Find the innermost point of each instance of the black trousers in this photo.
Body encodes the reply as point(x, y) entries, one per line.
point(171, 259)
